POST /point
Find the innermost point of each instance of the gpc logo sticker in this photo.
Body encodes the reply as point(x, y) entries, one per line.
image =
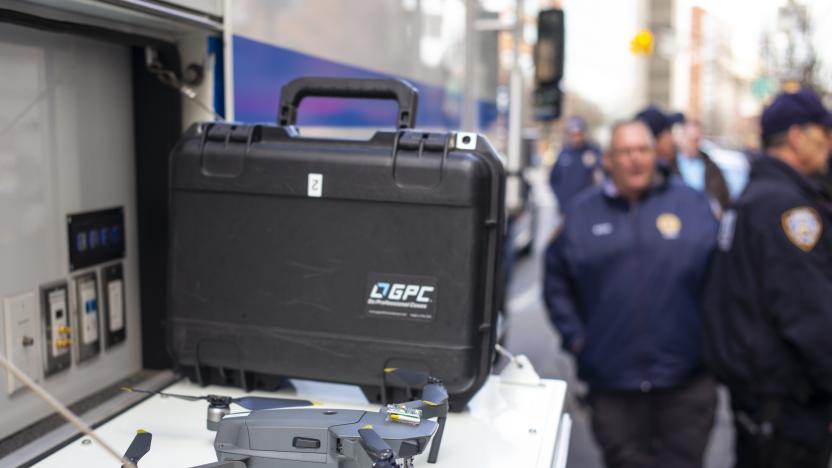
point(401, 296)
point(401, 292)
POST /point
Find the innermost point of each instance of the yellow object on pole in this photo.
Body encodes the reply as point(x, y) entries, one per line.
point(642, 43)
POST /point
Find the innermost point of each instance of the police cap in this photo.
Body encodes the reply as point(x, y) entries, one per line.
point(657, 120)
point(788, 109)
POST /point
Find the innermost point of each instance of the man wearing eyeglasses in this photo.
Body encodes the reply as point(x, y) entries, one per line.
point(623, 283)
point(768, 305)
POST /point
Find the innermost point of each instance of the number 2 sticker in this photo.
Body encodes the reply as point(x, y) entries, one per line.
point(315, 185)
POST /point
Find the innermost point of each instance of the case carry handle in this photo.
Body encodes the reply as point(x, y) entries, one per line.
point(404, 93)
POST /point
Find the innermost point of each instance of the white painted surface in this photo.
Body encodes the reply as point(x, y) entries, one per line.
point(562, 445)
point(602, 73)
point(505, 426)
point(66, 146)
point(20, 320)
point(211, 7)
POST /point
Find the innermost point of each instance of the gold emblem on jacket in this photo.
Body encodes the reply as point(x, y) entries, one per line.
point(669, 225)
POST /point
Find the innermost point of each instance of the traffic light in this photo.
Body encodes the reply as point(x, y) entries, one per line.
point(548, 61)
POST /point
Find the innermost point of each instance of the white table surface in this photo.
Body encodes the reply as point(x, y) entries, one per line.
point(505, 425)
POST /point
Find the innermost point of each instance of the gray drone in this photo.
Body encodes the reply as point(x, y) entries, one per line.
point(328, 438)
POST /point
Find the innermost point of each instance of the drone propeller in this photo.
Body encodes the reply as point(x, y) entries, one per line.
point(408, 377)
point(435, 394)
point(251, 403)
point(138, 447)
point(377, 449)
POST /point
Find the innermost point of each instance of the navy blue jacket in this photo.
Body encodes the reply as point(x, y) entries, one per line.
point(768, 307)
point(574, 171)
point(626, 280)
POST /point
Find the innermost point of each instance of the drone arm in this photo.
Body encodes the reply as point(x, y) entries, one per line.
point(377, 449)
point(437, 440)
point(431, 410)
point(434, 404)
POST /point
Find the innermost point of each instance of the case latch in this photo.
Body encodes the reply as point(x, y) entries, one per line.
point(224, 147)
point(419, 157)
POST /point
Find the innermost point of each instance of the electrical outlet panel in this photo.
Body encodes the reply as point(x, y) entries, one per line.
point(57, 332)
point(112, 289)
point(22, 333)
point(87, 316)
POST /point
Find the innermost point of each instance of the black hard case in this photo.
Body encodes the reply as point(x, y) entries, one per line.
point(267, 281)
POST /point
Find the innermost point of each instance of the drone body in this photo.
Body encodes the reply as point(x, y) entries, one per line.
point(307, 438)
point(271, 437)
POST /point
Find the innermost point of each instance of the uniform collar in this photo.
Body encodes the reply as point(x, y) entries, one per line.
point(770, 167)
point(660, 182)
point(580, 149)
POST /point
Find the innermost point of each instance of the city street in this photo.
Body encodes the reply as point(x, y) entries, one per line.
point(263, 205)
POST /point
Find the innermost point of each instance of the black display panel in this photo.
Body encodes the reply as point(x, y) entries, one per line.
point(95, 237)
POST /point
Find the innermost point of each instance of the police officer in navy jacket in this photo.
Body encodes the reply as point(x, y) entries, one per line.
point(768, 307)
point(578, 165)
point(623, 283)
point(696, 169)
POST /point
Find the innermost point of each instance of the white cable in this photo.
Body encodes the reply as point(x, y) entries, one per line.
point(62, 410)
point(190, 93)
point(506, 353)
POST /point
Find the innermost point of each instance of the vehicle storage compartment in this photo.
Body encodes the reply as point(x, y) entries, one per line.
point(334, 259)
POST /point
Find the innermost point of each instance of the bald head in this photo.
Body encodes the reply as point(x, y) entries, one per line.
point(631, 158)
point(630, 126)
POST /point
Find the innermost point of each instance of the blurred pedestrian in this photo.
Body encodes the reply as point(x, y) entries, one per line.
point(768, 306)
point(623, 280)
point(689, 161)
point(578, 165)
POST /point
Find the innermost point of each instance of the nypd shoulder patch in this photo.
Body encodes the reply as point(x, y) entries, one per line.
point(803, 227)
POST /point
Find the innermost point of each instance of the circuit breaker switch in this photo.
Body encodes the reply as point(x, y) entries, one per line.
point(64, 330)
